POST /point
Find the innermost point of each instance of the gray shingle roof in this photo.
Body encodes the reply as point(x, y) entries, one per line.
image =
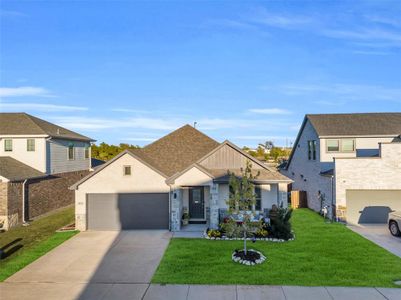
point(25, 124)
point(179, 149)
point(14, 170)
point(356, 124)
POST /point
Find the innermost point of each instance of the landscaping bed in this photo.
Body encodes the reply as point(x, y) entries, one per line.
point(323, 254)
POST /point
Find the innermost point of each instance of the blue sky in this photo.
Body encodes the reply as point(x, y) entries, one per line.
point(246, 71)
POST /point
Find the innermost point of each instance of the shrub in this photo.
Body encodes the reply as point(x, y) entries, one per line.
point(261, 233)
point(214, 233)
point(231, 229)
point(280, 225)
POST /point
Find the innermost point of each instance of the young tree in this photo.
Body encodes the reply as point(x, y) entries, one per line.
point(242, 198)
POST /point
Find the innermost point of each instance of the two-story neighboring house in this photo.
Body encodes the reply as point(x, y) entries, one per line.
point(38, 161)
point(349, 162)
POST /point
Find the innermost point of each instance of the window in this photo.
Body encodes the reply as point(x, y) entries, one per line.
point(8, 145)
point(87, 152)
point(258, 194)
point(127, 170)
point(30, 145)
point(312, 150)
point(71, 152)
point(348, 145)
point(333, 145)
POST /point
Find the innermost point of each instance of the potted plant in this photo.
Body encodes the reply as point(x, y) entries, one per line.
point(185, 218)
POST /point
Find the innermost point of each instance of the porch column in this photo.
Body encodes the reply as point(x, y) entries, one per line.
point(282, 194)
point(176, 200)
point(214, 206)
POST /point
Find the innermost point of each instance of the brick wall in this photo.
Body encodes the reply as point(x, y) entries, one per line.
point(47, 194)
point(14, 193)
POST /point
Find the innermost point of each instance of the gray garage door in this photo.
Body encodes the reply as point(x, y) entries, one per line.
point(128, 211)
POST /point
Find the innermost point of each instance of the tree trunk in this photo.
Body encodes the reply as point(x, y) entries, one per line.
point(244, 240)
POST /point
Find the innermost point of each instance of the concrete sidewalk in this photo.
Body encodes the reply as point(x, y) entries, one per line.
point(118, 291)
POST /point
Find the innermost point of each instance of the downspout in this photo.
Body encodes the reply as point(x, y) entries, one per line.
point(169, 208)
point(24, 223)
point(332, 196)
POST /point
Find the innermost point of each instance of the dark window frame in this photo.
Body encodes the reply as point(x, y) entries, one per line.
point(125, 169)
point(6, 148)
point(71, 152)
point(30, 147)
point(312, 149)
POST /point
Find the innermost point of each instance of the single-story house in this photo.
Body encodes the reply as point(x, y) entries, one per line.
point(183, 172)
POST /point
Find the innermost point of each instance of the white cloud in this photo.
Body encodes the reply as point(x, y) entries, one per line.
point(262, 137)
point(270, 111)
point(89, 123)
point(285, 21)
point(130, 110)
point(40, 107)
point(140, 139)
point(11, 13)
point(24, 91)
point(343, 91)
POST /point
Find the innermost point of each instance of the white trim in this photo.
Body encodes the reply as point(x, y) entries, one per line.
point(22, 136)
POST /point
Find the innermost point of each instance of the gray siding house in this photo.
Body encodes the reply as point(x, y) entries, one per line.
point(38, 161)
point(339, 160)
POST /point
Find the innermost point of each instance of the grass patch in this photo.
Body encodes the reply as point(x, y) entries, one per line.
point(322, 254)
point(31, 242)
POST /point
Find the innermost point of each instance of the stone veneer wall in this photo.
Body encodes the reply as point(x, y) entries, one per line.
point(14, 209)
point(3, 204)
point(50, 193)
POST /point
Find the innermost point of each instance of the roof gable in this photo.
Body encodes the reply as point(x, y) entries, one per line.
point(179, 149)
point(25, 124)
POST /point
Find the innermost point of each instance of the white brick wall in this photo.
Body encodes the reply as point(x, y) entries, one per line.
point(312, 181)
point(374, 173)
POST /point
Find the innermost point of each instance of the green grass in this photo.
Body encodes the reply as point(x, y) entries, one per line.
point(322, 254)
point(36, 240)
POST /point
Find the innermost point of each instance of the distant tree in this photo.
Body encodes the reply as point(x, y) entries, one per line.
point(268, 145)
point(106, 152)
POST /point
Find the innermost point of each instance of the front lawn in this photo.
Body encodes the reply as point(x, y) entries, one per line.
point(326, 254)
point(26, 244)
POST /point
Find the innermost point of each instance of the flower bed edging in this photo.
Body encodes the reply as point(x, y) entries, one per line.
point(247, 262)
point(224, 238)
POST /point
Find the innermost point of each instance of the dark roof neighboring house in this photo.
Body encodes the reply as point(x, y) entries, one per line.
point(95, 163)
point(356, 124)
point(15, 170)
point(25, 124)
point(179, 149)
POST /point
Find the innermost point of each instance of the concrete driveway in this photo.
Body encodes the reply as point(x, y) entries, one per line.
point(380, 235)
point(92, 265)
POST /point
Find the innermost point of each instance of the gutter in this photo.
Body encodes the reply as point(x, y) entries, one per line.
point(24, 223)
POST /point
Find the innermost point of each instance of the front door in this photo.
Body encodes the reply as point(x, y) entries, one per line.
point(196, 203)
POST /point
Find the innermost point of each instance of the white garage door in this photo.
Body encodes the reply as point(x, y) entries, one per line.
point(371, 206)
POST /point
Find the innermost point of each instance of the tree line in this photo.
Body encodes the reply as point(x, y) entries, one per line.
point(105, 151)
